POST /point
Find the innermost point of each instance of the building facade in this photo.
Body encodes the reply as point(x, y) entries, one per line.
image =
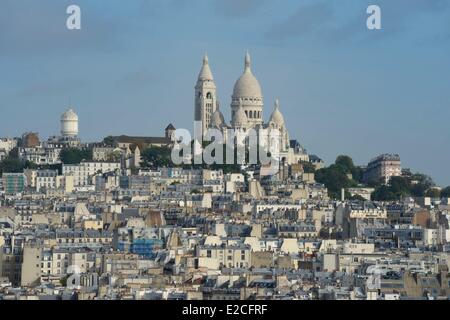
point(382, 168)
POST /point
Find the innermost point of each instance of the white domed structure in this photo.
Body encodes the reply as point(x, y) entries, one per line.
point(276, 117)
point(239, 118)
point(246, 114)
point(217, 120)
point(247, 94)
point(69, 124)
point(247, 86)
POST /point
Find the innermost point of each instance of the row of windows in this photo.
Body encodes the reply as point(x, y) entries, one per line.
point(253, 114)
point(79, 240)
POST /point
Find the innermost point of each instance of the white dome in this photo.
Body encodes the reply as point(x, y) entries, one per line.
point(217, 120)
point(247, 85)
point(69, 124)
point(239, 119)
point(69, 115)
point(276, 116)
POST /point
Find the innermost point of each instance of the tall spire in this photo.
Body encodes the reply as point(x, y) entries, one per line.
point(277, 104)
point(205, 72)
point(248, 61)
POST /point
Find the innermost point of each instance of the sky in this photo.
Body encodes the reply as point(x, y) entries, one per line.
point(132, 68)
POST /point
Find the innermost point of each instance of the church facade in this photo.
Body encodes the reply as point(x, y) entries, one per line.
point(247, 112)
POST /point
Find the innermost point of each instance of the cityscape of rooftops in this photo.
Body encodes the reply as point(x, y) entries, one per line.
point(224, 150)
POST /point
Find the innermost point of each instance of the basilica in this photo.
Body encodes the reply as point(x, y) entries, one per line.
point(247, 112)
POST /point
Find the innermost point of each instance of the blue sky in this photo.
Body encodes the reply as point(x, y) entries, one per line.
point(132, 69)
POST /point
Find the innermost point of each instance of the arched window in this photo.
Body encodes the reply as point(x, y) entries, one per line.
point(251, 114)
point(209, 95)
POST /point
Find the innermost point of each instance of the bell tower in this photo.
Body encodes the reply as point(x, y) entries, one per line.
point(205, 96)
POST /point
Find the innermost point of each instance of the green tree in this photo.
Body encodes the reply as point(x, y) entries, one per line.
point(336, 176)
point(75, 156)
point(11, 165)
point(345, 163)
point(109, 141)
point(433, 193)
point(30, 165)
point(357, 174)
point(308, 167)
point(154, 157)
point(400, 186)
point(384, 193)
point(334, 179)
point(445, 193)
point(14, 153)
point(420, 184)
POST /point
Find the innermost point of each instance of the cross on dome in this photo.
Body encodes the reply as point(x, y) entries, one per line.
point(248, 61)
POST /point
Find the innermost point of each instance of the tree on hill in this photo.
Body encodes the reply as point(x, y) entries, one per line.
point(420, 184)
point(383, 193)
point(10, 165)
point(74, 155)
point(154, 157)
point(416, 185)
point(398, 188)
point(109, 141)
point(308, 167)
point(445, 193)
point(433, 193)
point(345, 163)
point(335, 177)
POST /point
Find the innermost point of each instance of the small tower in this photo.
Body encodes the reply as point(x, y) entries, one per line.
point(277, 128)
point(69, 124)
point(170, 132)
point(205, 96)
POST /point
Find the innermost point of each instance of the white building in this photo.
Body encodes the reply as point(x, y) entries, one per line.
point(382, 168)
point(69, 124)
point(247, 106)
point(45, 154)
point(46, 179)
point(84, 172)
point(6, 145)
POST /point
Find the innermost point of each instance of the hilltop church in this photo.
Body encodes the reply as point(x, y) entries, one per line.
point(247, 111)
